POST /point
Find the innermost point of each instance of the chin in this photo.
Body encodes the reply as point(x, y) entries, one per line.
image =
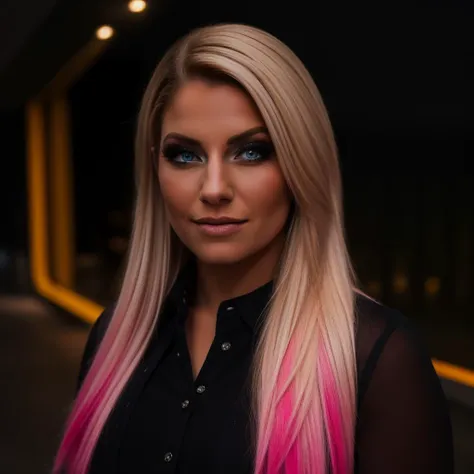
point(221, 254)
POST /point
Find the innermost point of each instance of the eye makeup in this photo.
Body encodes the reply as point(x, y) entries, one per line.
point(251, 147)
point(178, 154)
point(255, 151)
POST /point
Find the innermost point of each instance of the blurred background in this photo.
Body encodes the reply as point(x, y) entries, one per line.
point(395, 80)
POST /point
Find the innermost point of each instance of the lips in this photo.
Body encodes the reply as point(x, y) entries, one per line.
point(220, 227)
point(219, 221)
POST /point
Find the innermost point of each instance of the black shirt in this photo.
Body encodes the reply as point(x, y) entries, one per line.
point(166, 422)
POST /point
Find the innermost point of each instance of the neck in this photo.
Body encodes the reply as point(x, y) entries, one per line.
point(220, 282)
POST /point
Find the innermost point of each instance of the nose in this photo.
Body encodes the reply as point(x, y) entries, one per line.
point(216, 187)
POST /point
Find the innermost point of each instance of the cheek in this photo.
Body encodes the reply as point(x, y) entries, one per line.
point(175, 193)
point(269, 195)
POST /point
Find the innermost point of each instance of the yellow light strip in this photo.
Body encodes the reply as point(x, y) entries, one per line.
point(39, 255)
point(37, 193)
point(455, 373)
point(62, 202)
point(63, 248)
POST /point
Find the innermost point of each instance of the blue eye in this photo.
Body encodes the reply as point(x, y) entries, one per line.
point(251, 155)
point(178, 155)
point(184, 157)
point(256, 151)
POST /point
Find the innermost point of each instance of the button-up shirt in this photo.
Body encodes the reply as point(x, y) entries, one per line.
point(167, 422)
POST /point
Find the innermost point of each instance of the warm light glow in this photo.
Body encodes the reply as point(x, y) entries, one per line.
point(105, 32)
point(136, 6)
point(432, 285)
point(374, 288)
point(400, 283)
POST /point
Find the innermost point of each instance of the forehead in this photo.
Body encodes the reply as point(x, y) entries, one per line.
point(203, 110)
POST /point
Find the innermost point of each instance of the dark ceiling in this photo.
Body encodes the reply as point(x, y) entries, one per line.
point(18, 20)
point(38, 36)
point(404, 63)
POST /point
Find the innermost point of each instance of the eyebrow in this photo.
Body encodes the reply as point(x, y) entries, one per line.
point(231, 141)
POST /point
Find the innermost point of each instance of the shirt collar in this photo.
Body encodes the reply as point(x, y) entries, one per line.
point(250, 307)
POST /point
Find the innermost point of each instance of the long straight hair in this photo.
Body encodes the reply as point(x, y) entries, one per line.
point(304, 375)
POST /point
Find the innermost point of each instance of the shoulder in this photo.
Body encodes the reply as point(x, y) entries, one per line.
point(402, 412)
point(376, 323)
point(385, 340)
point(371, 314)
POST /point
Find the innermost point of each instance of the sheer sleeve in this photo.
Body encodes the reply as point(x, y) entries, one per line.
point(404, 424)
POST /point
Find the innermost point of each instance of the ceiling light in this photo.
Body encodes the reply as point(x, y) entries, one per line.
point(136, 6)
point(104, 32)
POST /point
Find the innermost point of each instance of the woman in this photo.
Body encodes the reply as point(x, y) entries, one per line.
point(238, 343)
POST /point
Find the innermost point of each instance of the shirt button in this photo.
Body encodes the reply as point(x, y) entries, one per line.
point(168, 457)
point(226, 346)
point(201, 389)
point(185, 404)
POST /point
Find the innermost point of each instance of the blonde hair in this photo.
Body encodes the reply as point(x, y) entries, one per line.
point(304, 375)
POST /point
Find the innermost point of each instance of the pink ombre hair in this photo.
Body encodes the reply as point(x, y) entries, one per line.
point(304, 374)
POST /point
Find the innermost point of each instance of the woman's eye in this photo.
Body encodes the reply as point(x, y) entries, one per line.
point(254, 152)
point(251, 155)
point(184, 157)
point(178, 155)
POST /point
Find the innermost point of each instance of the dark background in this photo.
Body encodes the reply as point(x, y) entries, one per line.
point(397, 80)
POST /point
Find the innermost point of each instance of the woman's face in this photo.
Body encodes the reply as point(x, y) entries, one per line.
point(223, 189)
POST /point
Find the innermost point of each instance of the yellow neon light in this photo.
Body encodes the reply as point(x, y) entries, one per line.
point(453, 372)
point(36, 153)
point(62, 250)
point(62, 202)
point(61, 174)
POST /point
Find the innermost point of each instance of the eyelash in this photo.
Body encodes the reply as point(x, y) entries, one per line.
point(173, 151)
